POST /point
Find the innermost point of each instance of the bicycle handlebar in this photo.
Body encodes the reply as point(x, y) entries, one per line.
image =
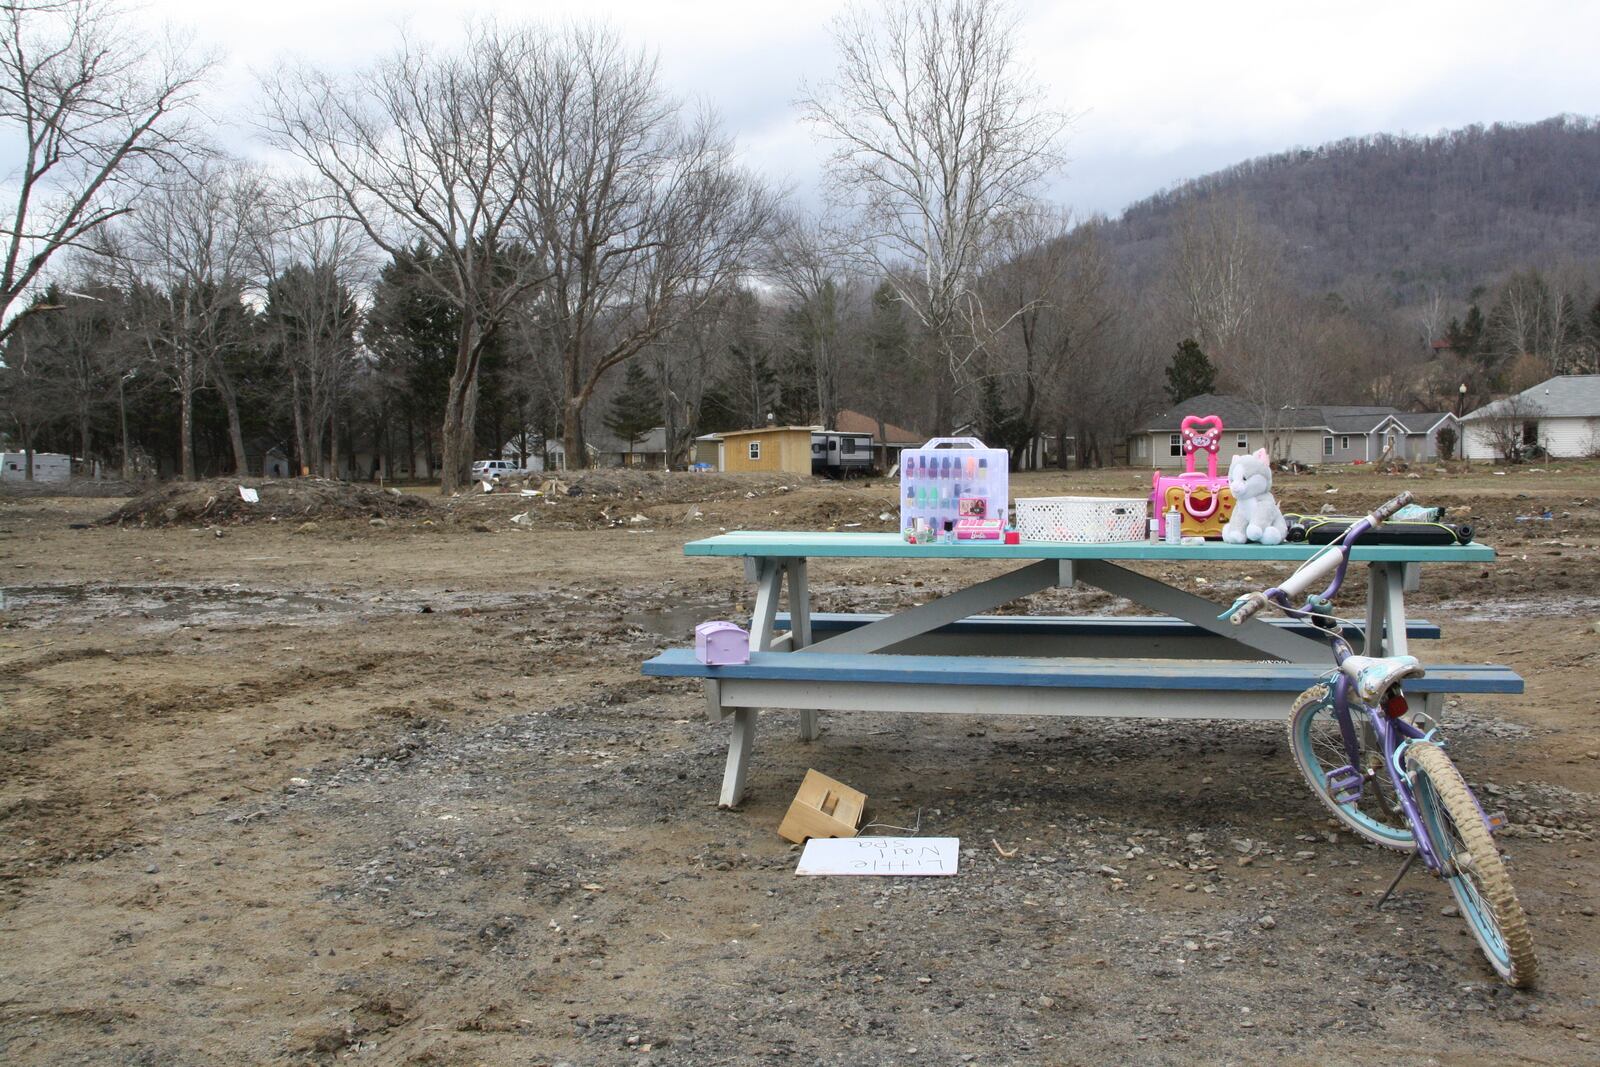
point(1385, 511)
point(1316, 568)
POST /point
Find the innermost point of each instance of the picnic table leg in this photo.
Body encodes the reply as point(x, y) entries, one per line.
point(800, 628)
point(739, 746)
point(1386, 610)
point(769, 575)
point(1395, 608)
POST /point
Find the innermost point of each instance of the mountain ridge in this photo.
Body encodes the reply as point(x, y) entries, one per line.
point(1451, 211)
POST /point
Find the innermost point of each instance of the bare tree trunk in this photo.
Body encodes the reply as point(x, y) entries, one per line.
point(122, 420)
point(333, 442)
point(230, 400)
point(186, 418)
point(411, 449)
point(460, 411)
point(301, 457)
point(315, 432)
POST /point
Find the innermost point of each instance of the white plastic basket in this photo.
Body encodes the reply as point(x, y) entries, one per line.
point(1082, 519)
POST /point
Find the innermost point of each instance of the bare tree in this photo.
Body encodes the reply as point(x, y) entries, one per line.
point(636, 217)
point(936, 133)
point(89, 108)
point(428, 146)
point(1227, 286)
point(1433, 316)
point(683, 363)
point(25, 391)
point(187, 253)
point(807, 263)
point(85, 348)
point(309, 265)
point(1506, 426)
point(1051, 281)
point(1223, 270)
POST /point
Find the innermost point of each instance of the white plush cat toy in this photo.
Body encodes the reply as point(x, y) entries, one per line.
point(1255, 514)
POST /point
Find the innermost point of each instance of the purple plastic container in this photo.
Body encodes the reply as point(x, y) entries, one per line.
point(720, 643)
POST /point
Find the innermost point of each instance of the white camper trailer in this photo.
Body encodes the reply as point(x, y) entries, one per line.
point(840, 455)
point(47, 467)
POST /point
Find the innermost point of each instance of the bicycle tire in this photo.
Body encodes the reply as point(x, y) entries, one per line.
point(1316, 740)
point(1481, 885)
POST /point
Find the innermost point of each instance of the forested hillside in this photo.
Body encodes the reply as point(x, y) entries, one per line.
point(1456, 210)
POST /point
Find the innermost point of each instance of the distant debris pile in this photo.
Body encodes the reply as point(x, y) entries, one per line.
point(219, 501)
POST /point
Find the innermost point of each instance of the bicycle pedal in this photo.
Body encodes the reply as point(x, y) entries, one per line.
point(1344, 785)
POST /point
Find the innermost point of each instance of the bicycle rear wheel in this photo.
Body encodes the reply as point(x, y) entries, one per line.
point(1318, 746)
point(1472, 866)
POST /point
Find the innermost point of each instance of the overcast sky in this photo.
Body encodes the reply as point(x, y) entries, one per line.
point(1163, 91)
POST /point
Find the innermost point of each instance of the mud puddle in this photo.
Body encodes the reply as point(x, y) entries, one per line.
point(168, 606)
point(1504, 609)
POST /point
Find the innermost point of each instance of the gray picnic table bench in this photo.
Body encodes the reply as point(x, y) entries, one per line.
point(949, 656)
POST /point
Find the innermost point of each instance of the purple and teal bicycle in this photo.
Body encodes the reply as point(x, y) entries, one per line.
point(1380, 767)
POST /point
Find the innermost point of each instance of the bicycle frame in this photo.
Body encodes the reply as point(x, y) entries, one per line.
point(1392, 734)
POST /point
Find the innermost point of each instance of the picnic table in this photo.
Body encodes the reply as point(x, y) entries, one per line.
point(949, 656)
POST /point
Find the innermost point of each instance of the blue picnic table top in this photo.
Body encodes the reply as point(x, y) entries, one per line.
point(815, 544)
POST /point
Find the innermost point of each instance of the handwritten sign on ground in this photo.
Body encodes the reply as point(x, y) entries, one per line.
point(900, 856)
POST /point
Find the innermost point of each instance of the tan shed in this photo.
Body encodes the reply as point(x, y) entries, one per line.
point(772, 449)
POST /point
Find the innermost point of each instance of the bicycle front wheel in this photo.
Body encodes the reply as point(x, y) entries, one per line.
point(1471, 864)
point(1318, 746)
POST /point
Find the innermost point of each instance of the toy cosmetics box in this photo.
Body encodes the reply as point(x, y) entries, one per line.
point(1203, 499)
point(950, 479)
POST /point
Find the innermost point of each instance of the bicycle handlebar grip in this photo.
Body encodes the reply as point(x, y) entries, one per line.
point(1252, 604)
point(1386, 511)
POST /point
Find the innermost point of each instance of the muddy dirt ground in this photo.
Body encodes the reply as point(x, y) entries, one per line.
point(396, 792)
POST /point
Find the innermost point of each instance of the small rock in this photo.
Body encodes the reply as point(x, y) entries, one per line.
point(151, 868)
point(1450, 912)
point(306, 527)
point(377, 522)
point(1266, 922)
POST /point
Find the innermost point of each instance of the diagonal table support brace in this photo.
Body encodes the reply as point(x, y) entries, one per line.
point(1168, 600)
point(973, 600)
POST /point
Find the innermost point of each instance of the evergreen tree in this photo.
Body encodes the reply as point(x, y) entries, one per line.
point(413, 329)
point(747, 390)
point(636, 409)
point(797, 403)
point(1190, 373)
point(1000, 423)
point(1594, 332)
point(1466, 337)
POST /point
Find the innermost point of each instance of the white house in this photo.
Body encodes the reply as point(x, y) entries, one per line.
point(1561, 416)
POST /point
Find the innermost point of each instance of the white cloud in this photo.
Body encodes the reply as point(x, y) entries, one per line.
point(1164, 90)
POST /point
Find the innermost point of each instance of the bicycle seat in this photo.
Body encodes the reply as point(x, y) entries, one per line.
point(1375, 675)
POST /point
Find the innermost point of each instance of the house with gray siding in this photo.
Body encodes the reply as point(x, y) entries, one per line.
point(1561, 416)
point(1310, 434)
